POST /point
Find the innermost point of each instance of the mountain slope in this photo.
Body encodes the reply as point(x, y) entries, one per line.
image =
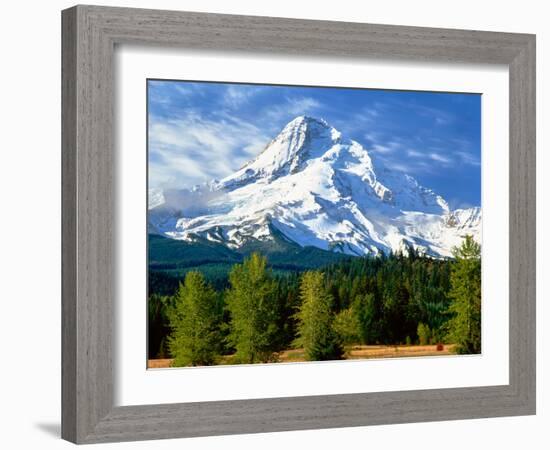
point(314, 188)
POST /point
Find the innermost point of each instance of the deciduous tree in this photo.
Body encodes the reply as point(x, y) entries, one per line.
point(253, 310)
point(315, 332)
point(194, 320)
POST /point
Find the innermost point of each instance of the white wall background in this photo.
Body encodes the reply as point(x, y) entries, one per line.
point(30, 225)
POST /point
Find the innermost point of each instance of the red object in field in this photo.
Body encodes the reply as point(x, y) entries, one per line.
point(439, 347)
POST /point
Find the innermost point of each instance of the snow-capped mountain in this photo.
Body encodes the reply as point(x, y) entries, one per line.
point(315, 188)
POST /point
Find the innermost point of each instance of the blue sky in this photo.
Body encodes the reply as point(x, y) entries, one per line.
point(202, 131)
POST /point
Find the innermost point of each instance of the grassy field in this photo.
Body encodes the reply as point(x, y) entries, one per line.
point(355, 352)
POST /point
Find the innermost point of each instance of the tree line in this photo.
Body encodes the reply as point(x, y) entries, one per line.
point(389, 299)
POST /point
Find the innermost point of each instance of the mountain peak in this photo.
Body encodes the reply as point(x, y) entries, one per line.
point(308, 125)
point(304, 120)
point(304, 128)
point(301, 139)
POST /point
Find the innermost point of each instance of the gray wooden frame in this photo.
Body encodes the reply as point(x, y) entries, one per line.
point(89, 37)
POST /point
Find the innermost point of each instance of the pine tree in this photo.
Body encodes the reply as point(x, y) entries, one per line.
point(159, 324)
point(194, 320)
point(253, 310)
point(465, 294)
point(366, 309)
point(315, 332)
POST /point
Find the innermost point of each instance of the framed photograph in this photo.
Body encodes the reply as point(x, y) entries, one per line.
point(277, 224)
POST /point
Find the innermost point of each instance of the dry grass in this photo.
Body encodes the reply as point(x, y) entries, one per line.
point(159, 363)
point(396, 351)
point(354, 352)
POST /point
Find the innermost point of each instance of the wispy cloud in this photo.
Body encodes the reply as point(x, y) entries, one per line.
point(365, 121)
point(415, 154)
point(237, 95)
point(200, 131)
point(404, 165)
point(408, 158)
point(292, 107)
point(440, 158)
point(438, 116)
point(187, 90)
point(385, 149)
point(190, 149)
point(468, 158)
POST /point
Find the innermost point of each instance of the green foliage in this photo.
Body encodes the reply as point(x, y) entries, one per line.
point(388, 299)
point(170, 260)
point(252, 306)
point(161, 284)
point(159, 324)
point(424, 334)
point(194, 319)
point(165, 253)
point(367, 312)
point(464, 327)
point(315, 332)
point(347, 326)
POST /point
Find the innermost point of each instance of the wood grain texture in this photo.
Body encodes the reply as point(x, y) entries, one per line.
point(89, 36)
point(68, 226)
point(522, 192)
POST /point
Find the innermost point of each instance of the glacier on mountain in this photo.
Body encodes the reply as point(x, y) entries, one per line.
point(316, 188)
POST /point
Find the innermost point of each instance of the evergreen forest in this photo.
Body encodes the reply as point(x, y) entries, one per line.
point(250, 310)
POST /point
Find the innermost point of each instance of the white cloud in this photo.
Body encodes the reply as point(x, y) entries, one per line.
point(371, 136)
point(185, 90)
point(191, 150)
point(302, 105)
point(399, 166)
point(421, 162)
point(390, 147)
point(415, 154)
point(440, 158)
point(371, 112)
point(367, 118)
point(468, 158)
point(236, 95)
point(439, 117)
point(292, 107)
point(441, 120)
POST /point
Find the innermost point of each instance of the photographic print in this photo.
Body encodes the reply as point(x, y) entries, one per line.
point(298, 223)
